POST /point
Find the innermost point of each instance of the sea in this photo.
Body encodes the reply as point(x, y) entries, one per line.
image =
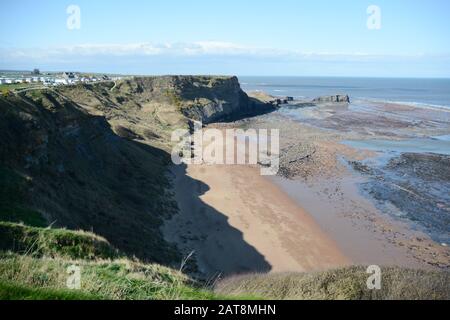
point(419, 92)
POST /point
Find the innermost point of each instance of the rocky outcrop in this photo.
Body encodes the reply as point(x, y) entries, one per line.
point(211, 99)
point(333, 99)
point(269, 99)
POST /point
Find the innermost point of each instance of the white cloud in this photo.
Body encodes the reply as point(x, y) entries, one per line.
point(219, 58)
point(200, 48)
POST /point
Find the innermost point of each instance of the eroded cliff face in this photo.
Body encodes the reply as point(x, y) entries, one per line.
point(79, 174)
point(201, 98)
point(215, 99)
point(94, 157)
point(151, 107)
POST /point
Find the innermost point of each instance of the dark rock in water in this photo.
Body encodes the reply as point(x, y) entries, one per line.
point(334, 99)
point(361, 167)
point(283, 100)
point(414, 186)
point(268, 99)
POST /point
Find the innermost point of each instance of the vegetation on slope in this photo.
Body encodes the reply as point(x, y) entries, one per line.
point(103, 279)
point(15, 291)
point(34, 262)
point(342, 284)
point(48, 242)
point(13, 188)
point(62, 165)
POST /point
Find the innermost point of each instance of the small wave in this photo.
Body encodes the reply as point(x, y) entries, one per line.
point(409, 103)
point(442, 138)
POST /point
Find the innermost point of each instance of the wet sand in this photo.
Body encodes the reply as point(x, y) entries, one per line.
point(351, 220)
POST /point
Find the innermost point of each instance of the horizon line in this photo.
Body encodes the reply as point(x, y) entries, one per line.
point(231, 75)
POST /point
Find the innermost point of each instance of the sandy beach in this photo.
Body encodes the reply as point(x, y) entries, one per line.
point(239, 222)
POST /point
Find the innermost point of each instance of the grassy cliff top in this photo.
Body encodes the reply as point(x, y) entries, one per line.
point(49, 242)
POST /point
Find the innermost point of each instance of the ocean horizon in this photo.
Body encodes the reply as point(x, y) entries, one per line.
point(426, 92)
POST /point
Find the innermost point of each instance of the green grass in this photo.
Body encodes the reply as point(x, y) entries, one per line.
point(5, 88)
point(54, 242)
point(121, 279)
point(34, 262)
point(13, 291)
point(28, 277)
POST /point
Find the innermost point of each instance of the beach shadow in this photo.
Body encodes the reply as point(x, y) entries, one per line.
point(219, 247)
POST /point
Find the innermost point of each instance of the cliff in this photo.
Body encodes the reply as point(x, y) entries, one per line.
point(94, 157)
point(201, 98)
point(215, 99)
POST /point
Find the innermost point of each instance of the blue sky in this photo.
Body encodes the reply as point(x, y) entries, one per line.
point(284, 37)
